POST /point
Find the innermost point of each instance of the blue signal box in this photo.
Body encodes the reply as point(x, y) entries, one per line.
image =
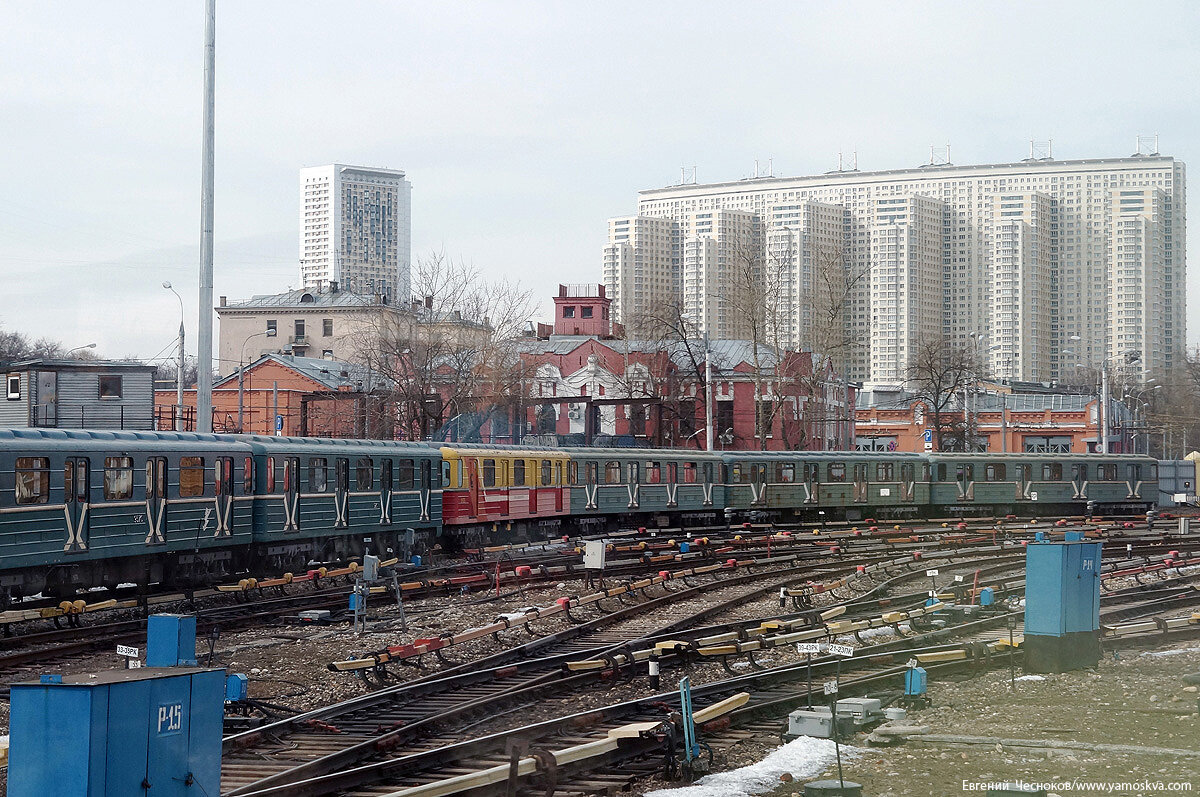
point(1062, 605)
point(150, 731)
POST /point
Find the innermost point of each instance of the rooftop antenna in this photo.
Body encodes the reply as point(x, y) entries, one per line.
point(1041, 150)
point(1145, 143)
point(939, 156)
point(688, 176)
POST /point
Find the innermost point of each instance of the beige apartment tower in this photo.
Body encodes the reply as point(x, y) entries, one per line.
point(1044, 265)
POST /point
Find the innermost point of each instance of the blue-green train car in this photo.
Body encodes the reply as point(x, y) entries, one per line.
point(317, 499)
point(612, 486)
point(84, 508)
point(1041, 484)
point(829, 485)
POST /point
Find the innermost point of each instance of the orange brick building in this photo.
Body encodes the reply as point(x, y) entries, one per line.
point(310, 396)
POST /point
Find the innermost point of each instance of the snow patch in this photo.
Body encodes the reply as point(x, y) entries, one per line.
point(1031, 678)
point(803, 758)
point(1176, 652)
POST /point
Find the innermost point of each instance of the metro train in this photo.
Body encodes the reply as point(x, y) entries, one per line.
point(82, 509)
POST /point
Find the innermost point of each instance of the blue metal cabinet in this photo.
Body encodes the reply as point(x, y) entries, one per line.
point(1062, 587)
point(153, 732)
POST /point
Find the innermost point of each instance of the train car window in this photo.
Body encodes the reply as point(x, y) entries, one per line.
point(191, 477)
point(489, 473)
point(318, 474)
point(612, 472)
point(558, 473)
point(883, 471)
point(689, 473)
point(573, 472)
point(270, 474)
point(672, 473)
point(924, 471)
point(518, 473)
point(1107, 473)
point(591, 472)
point(785, 473)
point(1079, 473)
point(1133, 473)
point(812, 473)
point(248, 476)
point(364, 474)
point(547, 472)
point(1051, 471)
point(735, 473)
point(994, 472)
point(837, 471)
point(941, 471)
point(1025, 472)
point(118, 478)
point(289, 473)
point(404, 474)
point(964, 472)
point(653, 473)
point(33, 480)
point(387, 475)
point(446, 473)
point(1153, 468)
point(708, 473)
point(635, 473)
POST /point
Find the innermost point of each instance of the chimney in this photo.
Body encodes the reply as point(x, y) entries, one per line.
point(223, 301)
point(333, 286)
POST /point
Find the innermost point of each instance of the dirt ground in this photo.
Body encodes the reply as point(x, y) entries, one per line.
point(1136, 697)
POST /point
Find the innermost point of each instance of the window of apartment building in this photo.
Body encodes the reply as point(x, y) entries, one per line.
point(327, 327)
point(585, 312)
point(272, 326)
point(568, 311)
point(299, 329)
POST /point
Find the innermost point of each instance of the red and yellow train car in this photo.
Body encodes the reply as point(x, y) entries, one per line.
point(511, 488)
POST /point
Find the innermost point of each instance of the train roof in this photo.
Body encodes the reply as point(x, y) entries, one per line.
point(55, 439)
point(501, 451)
point(272, 443)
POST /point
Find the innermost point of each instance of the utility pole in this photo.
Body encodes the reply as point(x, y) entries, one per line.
point(1104, 408)
point(708, 415)
point(179, 383)
point(204, 341)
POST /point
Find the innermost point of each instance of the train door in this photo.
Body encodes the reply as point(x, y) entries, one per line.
point(1133, 481)
point(291, 493)
point(1024, 481)
point(964, 473)
point(672, 483)
point(385, 492)
point(861, 490)
point(708, 483)
point(758, 483)
point(559, 487)
point(156, 499)
point(812, 481)
point(633, 484)
point(223, 478)
point(341, 493)
point(76, 497)
point(908, 481)
point(532, 480)
point(426, 487)
point(470, 467)
point(1079, 480)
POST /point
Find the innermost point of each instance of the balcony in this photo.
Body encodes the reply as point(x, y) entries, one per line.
point(298, 340)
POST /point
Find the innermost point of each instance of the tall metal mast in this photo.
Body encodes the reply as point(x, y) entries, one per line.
point(204, 347)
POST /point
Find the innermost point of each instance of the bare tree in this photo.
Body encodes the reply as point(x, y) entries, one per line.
point(939, 371)
point(460, 360)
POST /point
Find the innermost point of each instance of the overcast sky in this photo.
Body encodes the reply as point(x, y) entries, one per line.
point(522, 126)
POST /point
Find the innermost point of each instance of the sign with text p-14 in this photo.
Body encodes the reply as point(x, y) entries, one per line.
point(841, 650)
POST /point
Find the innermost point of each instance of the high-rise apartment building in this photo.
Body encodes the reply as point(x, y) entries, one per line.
point(1043, 265)
point(355, 229)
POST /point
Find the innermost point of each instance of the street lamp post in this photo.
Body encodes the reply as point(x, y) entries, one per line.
point(77, 348)
point(178, 414)
point(270, 333)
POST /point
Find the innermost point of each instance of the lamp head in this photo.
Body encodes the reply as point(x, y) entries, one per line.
point(167, 284)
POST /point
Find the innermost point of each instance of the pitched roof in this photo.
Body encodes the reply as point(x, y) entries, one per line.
point(333, 374)
point(307, 297)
